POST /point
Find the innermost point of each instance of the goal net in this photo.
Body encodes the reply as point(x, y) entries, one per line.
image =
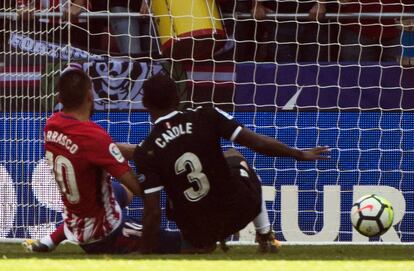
point(344, 82)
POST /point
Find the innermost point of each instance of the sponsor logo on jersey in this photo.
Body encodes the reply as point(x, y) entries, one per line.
point(116, 153)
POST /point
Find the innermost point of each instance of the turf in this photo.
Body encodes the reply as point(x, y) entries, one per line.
point(239, 258)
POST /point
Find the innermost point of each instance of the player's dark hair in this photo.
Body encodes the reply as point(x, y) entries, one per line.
point(160, 92)
point(73, 86)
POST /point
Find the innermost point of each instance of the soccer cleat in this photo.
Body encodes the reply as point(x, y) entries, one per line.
point(31, 245)
point(224, 246)
point(267, 243)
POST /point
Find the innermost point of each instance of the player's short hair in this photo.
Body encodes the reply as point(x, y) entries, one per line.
point(160, 92)
point(73, 86)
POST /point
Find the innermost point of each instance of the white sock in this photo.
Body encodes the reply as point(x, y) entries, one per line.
point(46, 240)
point(261, 222)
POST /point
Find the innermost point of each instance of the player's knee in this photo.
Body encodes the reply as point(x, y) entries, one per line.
point(245, 165)
point(232, 152)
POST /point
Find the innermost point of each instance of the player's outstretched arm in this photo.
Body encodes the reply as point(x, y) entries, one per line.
point(130, 180)
point(272, 147)
point(151, 223)
point(127, 150)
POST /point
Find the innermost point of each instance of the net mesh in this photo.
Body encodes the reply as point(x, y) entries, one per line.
point(341, 82)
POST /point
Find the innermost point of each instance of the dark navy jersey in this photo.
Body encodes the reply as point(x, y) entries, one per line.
point(183, 155)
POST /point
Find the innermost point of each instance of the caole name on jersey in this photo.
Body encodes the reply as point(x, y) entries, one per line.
point(172, 133)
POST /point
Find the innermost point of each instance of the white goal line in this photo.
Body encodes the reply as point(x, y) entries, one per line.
point(284, 243)
point(287, 243)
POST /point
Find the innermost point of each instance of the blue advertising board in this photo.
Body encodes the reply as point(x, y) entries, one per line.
point(369, 129)
point(368, 149)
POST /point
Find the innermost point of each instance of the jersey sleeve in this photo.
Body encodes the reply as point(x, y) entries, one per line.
point(224, 123)
point(103, 152)
point(148, 177)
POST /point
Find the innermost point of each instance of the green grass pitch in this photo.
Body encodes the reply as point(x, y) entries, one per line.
point(239, 258)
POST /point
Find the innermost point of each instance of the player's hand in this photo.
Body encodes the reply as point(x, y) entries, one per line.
point(259, 11)
point(73, 13)
point(26, 13)
point(144, 9)
point(318, 153)
point(317, 12)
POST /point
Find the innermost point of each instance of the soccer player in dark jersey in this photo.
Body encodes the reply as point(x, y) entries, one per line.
point(211, 194)
point(81, 155)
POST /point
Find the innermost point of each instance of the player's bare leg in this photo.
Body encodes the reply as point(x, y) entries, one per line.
point(264, 234)
point(130, 195)
point(50, 242)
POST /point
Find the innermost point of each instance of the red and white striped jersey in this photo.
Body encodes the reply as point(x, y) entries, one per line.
point(80, 154)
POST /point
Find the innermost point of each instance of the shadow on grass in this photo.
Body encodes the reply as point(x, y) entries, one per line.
point(289, 253)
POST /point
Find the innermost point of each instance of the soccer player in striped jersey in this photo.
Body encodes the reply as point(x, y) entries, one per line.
point(81, 155)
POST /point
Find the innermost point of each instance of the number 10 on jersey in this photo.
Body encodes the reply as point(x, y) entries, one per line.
point(65, 177)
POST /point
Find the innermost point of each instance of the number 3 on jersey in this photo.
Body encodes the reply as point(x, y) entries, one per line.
point(195, 175)
point(64, 176)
